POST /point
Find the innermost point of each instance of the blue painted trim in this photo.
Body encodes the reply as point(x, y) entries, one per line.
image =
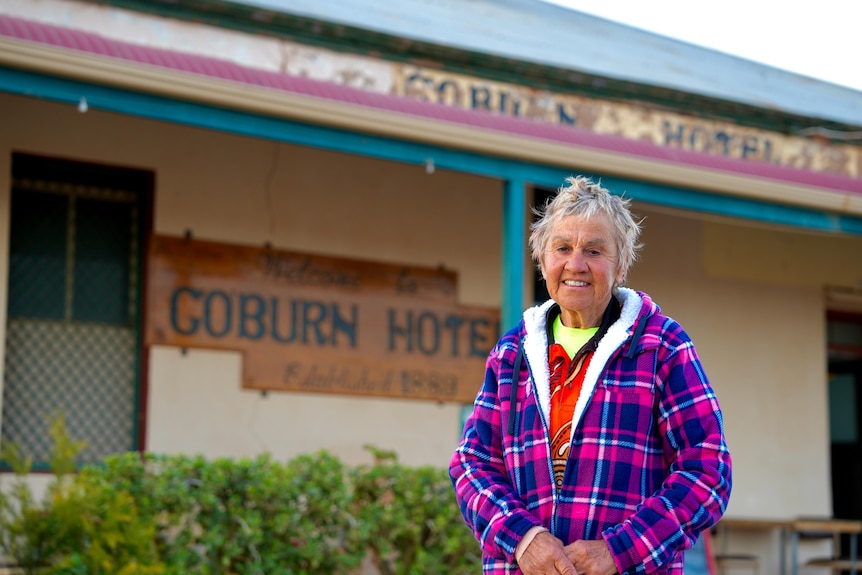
point(259, 126)
point(724, 205)
point(254, 125)
point(514, 246)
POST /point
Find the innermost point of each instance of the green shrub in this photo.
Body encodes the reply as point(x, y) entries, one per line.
point(412, 522)
point(244, 516)
point(147, 514)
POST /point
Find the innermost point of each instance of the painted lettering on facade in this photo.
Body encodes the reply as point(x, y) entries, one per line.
point(718, 141)
point(319, 324)
point(631, 120)
point(475, 94)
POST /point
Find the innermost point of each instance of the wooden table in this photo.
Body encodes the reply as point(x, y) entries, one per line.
point(782, 525)
point(827, 528)
point(824, 527)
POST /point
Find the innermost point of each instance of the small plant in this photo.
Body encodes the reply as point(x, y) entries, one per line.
point(111, 536)
point(81, 526)
point(34, 534)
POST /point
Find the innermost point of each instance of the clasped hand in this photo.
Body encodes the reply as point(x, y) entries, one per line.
point(546, 555)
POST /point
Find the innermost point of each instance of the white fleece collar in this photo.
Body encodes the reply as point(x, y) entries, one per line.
point(536, 350)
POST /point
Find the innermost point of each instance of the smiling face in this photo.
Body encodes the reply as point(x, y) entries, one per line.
point(580, 266)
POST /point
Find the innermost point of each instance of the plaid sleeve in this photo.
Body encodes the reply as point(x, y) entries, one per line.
point(696, 491)
point(489, 503)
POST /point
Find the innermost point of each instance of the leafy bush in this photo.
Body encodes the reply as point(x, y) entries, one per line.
point(147, 514)
point(244, 516)
point(413, 523)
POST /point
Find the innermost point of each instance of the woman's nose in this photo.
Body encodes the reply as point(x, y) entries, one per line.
point(575, 261)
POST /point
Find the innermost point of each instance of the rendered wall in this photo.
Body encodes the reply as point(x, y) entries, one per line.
point(240, 190)
point(763, 344)
point(752, 304)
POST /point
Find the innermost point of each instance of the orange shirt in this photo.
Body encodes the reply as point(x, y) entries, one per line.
point(566, 381)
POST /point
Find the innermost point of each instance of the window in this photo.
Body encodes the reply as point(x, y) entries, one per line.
point(72, 335)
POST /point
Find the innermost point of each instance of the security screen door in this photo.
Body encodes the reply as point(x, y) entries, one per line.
point(73, 305)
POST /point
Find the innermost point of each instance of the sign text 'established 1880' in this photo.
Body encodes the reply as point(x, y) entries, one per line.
point(319, 324)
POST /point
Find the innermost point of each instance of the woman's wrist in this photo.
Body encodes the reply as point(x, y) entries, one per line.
point(527, 539)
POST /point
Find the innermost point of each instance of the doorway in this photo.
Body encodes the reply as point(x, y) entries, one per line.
point(73, 313)
point(844, 337)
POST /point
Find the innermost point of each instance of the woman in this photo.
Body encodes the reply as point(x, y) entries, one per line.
point(608, 454)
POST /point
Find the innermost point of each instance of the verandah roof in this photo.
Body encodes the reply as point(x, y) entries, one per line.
point(388, 115)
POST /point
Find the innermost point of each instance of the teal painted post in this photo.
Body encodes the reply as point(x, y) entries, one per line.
point(514, 246)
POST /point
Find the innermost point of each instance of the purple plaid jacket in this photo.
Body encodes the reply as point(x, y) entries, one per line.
point(649, 467)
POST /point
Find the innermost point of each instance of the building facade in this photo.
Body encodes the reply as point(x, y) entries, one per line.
point(230, 228)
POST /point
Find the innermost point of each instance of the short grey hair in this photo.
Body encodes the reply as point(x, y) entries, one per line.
point(579, 196)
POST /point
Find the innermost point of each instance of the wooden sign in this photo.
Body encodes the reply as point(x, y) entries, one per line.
point(320, 324)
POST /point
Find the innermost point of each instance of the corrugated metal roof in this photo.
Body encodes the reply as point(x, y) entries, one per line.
point(565, 135)
point(547, 34)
